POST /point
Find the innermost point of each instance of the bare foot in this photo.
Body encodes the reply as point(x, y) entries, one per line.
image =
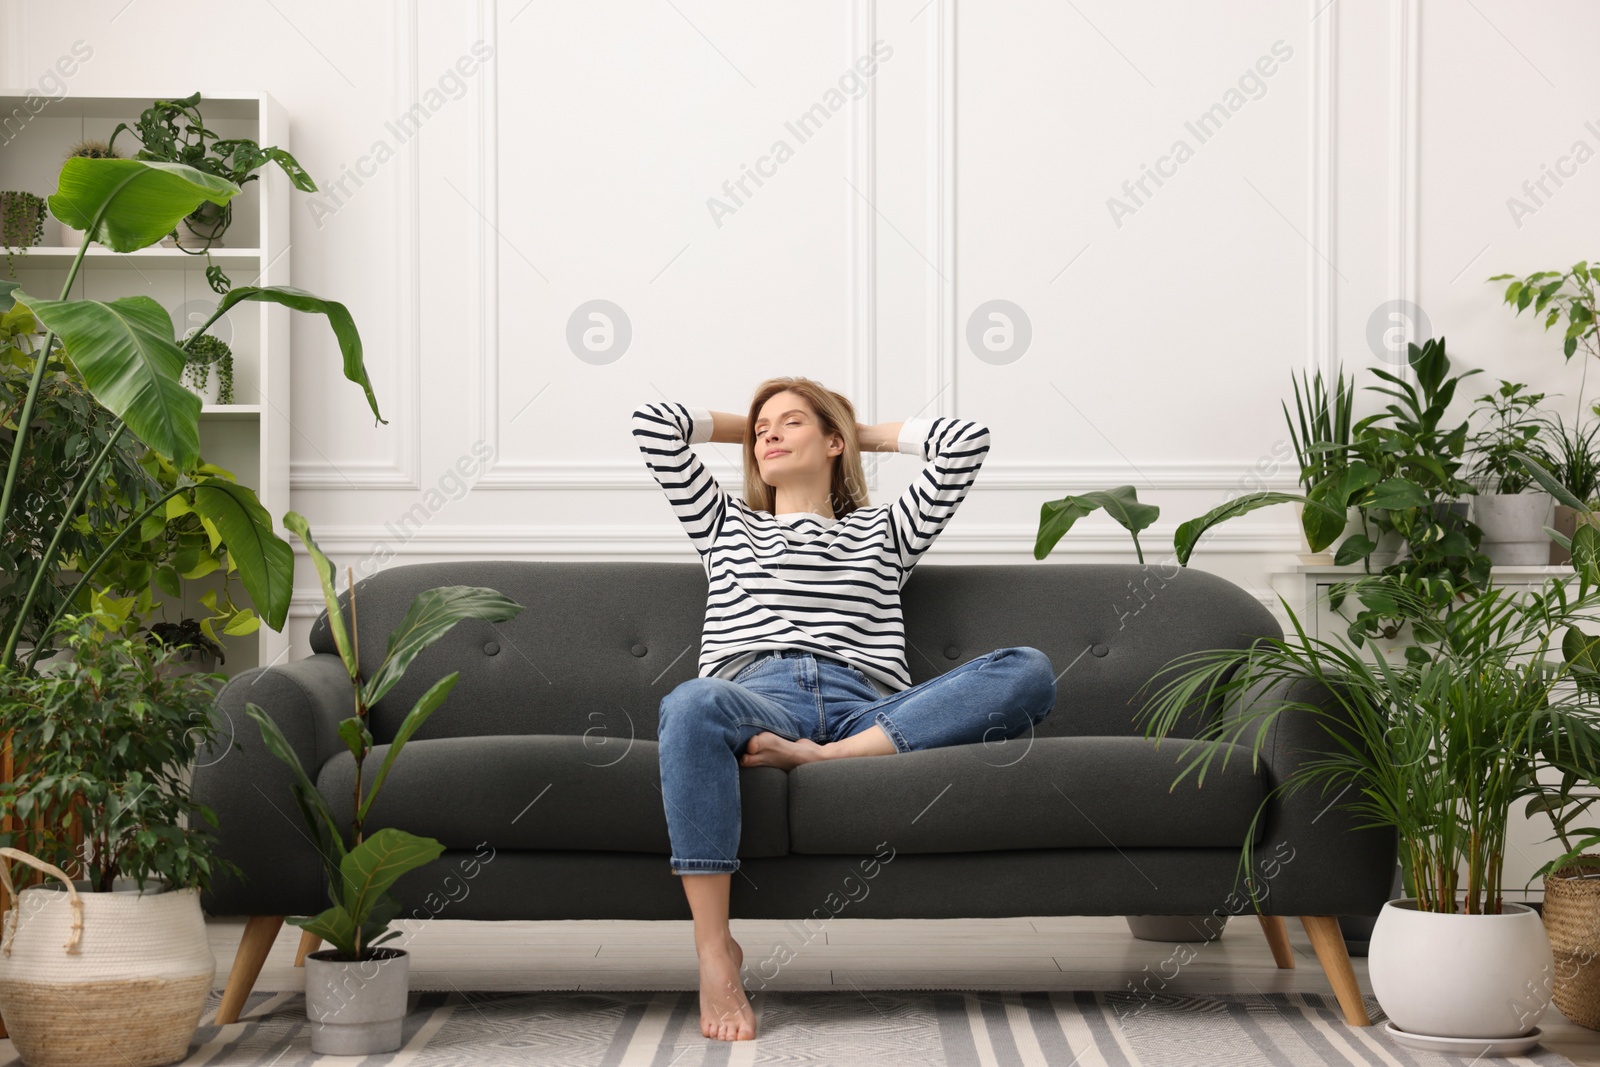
point(768, 749)
point(725, 1012)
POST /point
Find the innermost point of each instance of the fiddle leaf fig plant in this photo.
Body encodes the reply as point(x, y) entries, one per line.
point(361, 873)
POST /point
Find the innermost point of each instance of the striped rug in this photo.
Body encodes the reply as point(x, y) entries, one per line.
point(901, 1028)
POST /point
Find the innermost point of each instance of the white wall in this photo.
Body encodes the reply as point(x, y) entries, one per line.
point(1373, 164)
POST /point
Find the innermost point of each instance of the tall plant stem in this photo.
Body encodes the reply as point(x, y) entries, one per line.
point(49, 552)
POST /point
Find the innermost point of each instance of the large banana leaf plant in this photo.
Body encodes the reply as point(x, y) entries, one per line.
point(361, 873)
point(126, 352)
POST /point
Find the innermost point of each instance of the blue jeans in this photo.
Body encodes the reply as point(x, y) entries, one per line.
point(706, 722)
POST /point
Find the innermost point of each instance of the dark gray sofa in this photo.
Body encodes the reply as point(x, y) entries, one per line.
point(540, 773)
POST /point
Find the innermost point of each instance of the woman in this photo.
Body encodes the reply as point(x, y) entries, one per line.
point(802, 656)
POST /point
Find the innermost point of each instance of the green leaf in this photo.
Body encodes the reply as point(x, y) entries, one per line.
point(128, 204)
point(344, 327)
point(433, 613)
point(1586, 552)
point(125, 352)
point(426, 705)
point(1122, 503)
point(357, 738)
point(1355, 547)
point(6, 289)
point(1395, 494)
point(371, 867)
point(335, 926)
point(1188, 533)
point(167, 580)
point(296, 523)
point(1549, 482)
point(244, 621)
point(265, 560)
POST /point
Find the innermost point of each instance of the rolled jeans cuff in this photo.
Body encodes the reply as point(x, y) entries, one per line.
point(704, 866)
point(893, 731)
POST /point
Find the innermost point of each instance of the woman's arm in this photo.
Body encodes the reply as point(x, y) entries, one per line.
point(953, 449)
point(664, 431)
point(728, 428)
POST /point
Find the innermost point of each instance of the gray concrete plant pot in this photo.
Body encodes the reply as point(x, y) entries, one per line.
point(356, 1007)
point(1513, 527)
point(1177, 927)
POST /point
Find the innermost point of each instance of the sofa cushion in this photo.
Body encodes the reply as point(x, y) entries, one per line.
point(542, 791)
point(1043, 792)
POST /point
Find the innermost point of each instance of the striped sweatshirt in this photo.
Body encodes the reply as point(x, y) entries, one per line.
point(801, 580)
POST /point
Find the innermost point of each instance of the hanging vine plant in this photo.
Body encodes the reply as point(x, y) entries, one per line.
point(203, 353)
point(21, 224)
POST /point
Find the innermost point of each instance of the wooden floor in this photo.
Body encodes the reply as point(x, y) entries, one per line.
point(846, 954)
point(1074, 952)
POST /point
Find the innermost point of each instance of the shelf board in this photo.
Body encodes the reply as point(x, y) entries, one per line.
point(155, 256)
point(230, 412)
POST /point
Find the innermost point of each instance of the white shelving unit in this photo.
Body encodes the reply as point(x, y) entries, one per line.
point(1526, 847)
point(249, 438)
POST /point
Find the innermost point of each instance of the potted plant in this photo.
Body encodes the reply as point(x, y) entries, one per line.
point(1571, 910)
point(1558, 295)
point(72, 237)
point(204, 352)
point(21, 224)
point(356, 991)
point(1438, 747)
point(1572, 458)
point(1322, 443)
point(104, 745)
point(1511, 516)
point(174, 131)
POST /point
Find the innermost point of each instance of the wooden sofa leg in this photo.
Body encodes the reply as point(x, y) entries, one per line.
point(1277, 932)
point(308, 944)
point(1329, 943)
point(259, 934)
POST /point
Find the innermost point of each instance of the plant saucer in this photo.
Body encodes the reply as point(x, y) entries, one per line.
point(1465, 1046)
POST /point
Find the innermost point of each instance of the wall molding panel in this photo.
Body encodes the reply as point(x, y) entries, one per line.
point(402, 469)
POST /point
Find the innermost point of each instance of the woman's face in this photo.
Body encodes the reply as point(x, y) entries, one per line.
point(789, 439)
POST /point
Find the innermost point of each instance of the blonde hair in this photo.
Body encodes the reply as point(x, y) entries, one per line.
point(847, 488)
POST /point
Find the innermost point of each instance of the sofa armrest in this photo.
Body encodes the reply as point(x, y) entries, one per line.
point(1310, 858)
point(259, 825)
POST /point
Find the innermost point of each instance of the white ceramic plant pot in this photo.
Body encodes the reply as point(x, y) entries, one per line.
point(135, 967)
point(1389, 542)
point(357, 1008)
point(1461, 976)
point(213, 386)
point(1513, 527)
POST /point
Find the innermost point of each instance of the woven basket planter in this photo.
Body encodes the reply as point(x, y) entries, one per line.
point(1572, 919)
point(134, 967)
